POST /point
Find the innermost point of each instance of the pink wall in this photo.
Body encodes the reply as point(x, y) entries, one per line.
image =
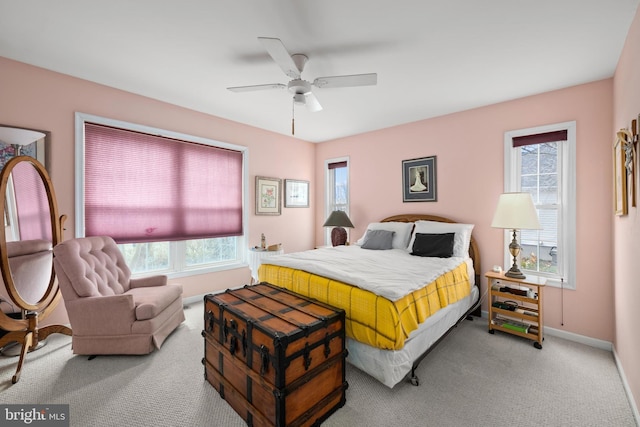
point(469, 150)
point(41, 99)
point(626, 229)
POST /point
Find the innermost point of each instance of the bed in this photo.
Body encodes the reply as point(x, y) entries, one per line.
point(398, 306)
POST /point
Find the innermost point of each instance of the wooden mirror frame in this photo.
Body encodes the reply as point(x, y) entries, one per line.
point(25, 330)
point(5, 268)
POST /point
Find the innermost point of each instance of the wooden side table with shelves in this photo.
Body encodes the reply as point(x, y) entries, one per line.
point(514, 310)
point(256, 256)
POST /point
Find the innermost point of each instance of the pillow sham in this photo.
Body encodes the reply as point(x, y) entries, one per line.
point(400, 238)
point(462, 238)
point(378, 239)
point(433, 245)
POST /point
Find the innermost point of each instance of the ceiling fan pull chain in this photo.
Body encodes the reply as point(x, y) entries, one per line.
point(293, 118)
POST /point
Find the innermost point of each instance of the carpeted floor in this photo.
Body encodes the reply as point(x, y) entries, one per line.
point(471, 379)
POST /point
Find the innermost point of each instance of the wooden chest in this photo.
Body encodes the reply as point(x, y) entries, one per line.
point(276, 357)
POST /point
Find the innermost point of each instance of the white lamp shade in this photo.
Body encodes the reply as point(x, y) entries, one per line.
point(17, 136)
point(516, 211)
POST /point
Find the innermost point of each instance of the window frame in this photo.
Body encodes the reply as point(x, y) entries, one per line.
point(178, 267)
point(566, 276)
point(329, 205)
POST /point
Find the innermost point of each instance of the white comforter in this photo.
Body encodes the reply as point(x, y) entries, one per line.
point(391, 273)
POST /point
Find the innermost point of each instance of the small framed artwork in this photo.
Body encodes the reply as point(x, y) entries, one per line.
point(268, 195)
point(296, 193)
point(620, 178)
point(419, 180)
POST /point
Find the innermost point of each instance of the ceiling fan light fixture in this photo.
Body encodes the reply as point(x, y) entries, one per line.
point(299, 99)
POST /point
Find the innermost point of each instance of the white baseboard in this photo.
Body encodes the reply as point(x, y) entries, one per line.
point(199, 298)
point(582, 339)
point(193, 299)
point(627, 389)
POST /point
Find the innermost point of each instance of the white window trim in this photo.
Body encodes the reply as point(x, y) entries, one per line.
point(567, 192)
point(81, 118)
point(327, 196)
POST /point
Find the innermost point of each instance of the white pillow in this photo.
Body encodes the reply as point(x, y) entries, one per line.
point(400, 237)
point(461, 241)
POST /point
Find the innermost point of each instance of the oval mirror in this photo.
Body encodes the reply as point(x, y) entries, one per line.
point(29, 234)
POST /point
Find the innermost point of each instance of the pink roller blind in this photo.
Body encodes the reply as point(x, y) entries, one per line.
point(144, 188)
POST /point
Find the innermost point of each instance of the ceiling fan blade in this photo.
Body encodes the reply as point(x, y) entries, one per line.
point(347, 81)
point(257, 87)
point(281, 56)
point(312, 102)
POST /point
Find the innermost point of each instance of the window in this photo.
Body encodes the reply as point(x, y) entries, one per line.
point(337, 185)
point(542, 162)
point(174, 203)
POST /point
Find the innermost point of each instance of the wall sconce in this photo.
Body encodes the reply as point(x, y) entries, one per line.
point(19, 137)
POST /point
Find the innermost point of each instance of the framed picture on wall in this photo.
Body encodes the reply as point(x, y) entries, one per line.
point(296, 193)
point(620, 178)
point(419, 180)
point(268, 195)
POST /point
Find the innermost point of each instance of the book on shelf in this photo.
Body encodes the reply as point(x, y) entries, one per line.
point(520, 328)
point(511, 324)
point(507, 318)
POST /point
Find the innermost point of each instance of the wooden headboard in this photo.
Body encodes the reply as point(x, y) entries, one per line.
point(474, 252)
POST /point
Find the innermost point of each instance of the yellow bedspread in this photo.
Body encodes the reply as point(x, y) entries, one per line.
point(372, 319)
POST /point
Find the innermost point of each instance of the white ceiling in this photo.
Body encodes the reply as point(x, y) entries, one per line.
point(433, 57)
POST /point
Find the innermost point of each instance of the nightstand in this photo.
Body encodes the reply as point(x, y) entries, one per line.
point(515, 306)
point(255, 259)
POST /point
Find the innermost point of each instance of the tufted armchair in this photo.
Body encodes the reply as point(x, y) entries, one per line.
point(109, 312)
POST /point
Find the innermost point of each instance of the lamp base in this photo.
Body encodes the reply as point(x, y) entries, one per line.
point(514, 274)
point(338, 236)
point(514, 248)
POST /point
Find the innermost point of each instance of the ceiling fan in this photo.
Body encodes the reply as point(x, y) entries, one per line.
point(293, 65)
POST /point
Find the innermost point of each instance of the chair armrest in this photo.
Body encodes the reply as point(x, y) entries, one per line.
point(146, 282)
point(103, 315)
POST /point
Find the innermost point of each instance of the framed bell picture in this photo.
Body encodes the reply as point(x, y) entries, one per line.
point(268, 195)
point(419, 180)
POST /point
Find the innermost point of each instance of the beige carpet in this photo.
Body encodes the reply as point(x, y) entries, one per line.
point(471, 379)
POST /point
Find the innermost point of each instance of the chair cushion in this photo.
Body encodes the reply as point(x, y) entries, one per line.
point(151, 301)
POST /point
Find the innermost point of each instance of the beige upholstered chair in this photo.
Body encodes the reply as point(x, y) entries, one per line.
point(110, 313)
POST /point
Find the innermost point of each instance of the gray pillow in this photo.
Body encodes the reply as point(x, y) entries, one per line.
point(378, 239)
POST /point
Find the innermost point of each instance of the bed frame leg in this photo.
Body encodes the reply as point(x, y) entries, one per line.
point(414, 378)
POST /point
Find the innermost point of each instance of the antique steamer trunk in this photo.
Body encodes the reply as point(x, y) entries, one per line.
point(276, 357)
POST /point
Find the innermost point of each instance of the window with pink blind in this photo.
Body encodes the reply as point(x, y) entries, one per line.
point(148, 188)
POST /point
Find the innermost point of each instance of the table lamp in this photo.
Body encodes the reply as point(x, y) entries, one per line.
point(338, 220)
point(515, 211)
